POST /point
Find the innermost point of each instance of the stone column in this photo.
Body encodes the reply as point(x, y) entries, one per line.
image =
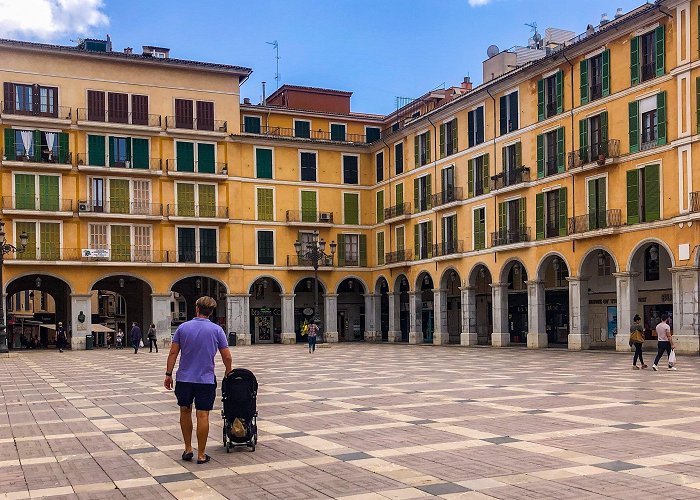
point(579, 335)
point(469, 333)
point(370, 318)
point(415, 332)
point(627, 307)
point(288, 334)
point(536, 315)
point(377, 311)
point(162, 316)
point(330, 309)
point(685, 309)
point(394, 317)
point(238, 317)
point(441, 335)
point(81, 308)
point(501, 330)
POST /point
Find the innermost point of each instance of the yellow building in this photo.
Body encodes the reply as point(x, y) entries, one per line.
point(546, 206)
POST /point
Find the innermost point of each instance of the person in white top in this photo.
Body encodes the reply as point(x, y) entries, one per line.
point(665, 338)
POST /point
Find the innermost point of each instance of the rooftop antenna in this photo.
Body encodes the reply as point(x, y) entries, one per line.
point(536, 38)
point(276, 46)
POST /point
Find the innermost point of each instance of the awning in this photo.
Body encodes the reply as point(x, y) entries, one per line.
point(50, 327)
point(101, 328)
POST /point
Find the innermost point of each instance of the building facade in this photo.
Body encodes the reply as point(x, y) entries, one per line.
point(547, 206)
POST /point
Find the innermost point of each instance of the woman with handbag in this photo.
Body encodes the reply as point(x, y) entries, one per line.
point(637, 341)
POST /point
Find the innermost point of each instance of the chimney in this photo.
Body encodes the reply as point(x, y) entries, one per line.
point(128, 50)
point(466, 84)
point(619, 13)
point(604, 19)
point(246, 100)
point(264, 97)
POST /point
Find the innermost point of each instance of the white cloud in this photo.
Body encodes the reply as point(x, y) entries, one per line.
point(478, 3)
point(50, 19)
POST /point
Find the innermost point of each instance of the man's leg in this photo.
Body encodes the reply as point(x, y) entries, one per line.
point(202, 433)
point(186, 427)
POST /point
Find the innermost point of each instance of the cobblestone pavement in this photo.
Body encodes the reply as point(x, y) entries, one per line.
point(358, 421)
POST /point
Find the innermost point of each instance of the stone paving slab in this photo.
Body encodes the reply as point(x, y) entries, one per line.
point(358, 421)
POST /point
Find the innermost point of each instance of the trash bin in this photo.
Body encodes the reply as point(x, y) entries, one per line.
point(231, 338)
point(89, 342)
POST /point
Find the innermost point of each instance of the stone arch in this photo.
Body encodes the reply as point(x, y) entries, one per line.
point(544, 261)
point(36, 273)
point(197, 275)
point(506, 267)
point(473, 273)
point(646, 241)
point(322, 285)
point(420, 277)
point(352, 277)
point(265, 276)
point(593, 250)
point(398, 282)
point(378, 283)
point(447, 275)
point(129, 274)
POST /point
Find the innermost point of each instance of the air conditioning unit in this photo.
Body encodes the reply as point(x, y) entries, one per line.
point(83, 206)
point(325, 217)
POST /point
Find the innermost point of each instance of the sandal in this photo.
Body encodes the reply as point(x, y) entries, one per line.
point(187, 456)
point(206, 459)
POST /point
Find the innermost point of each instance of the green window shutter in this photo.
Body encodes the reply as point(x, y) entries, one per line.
point(697, 99)
point(634, 60)
point(561, 151)
point(486, 173)
point(25, 194)
point(592, 206)
point(207, 245)
point(36, 137)
point(560, 91)
point(479, 229)
point(442, 141)
point(504, 158)
point(632, 196)
point(455, 135)
point(341, 250)
point(380, 249)
point(207, 200)
point(185, 156)
point(302, 129)
point(518, 154)
point(351, 208)
point(502, 221)
point(605, 69)
point(661, 118)
point(308, 206)
point(120, 243)
point(540, 100)
point(186, 244)
point(140, 153)
point(266, 253)
point(185, 200)
point(48, 193)
point(380, 207)
point(471, 127)
point(119, 196)
point(337, 132)
point(416, 196)
point(427, 147)
point(265, 204)
point(470, 178)
point(540, 156)
point(563, 213)
point(660, 50)
point(583, 139)
point(416, 242)
point(205, 158)
point(251, 124)
point(429, 228)
point(602, 204)
point(652, 193)
point(263, 163)
point(429, 190)
point(96, 150)
point(363, 250)
point(503, 115)
point(50, 240)
point(522, 213)
point(30, 250)
point(584, 81)
point(539, 216)
point(604, 128)
point(110, 140)
point(417, 151)
point(399, 194)
point(400, 241)
point(634, 126)
point(9, 144)
point(454, 228)
point(480, 125)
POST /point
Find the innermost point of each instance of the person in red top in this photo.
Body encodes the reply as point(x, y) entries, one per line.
point(313, 331)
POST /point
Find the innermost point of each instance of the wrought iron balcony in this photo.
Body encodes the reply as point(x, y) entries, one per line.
point(551, 165)
point(132, 254)
point(594, 153)
point(198, 257)
point(121, 207)
point(41, 203)
point(400, 210)
point(184, 123)
point(314, 135)
point(601, 219)
point(46, 252)
point(43, 111)
point(118, 117)
point(92, 160)
point(300, 261)
point(596, 91)
point(447, 196)
point(200, 167)
point(185, 210)
point(510, 177)
point(448, 248)
point(18, 153)
point(510, 236)
point(648, 71)
point(310, 216)
point(399, 256)
point(551, 109)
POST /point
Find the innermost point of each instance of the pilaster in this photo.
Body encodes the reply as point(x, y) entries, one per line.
point(626, 285)
point(469, 335)
point(579, 336)
point(238, 317)
point(415, 332)
point(80, 309)
point(501, 331)
point(685, 309)
point(288, 334)
point(161, 316)
point(441, 335)
point(330, 310)
point(536, 315)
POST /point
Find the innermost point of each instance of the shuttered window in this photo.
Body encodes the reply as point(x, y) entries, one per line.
point(50, 240)
point(337, 132)
point(422, 193)
point(372, 134)
point(551, 214)
point(398, 155)
point(184, 114)
point(448, 138)
point(263, 163)
point(49, 193)
point(302, 129)
point(647, 55)
point(251, 124)
point(597, 204)
point(25, 192)
point(205, 115)
point(478, 176)
point(139, 110)
point(119, 196)
point(186, 244)
point(120, 242)
point(422, 149)
point(205, 158)
point(265, 204)
point(185, 156)
point(308, 206)
point(508, 113)
point(643, 194)
point(550, 96)
point(96, 106)
point(479, 225)
point(30, 251)
point(379, 163)
point(142, 244)
point(380, 248)
point(206, 199)
point(476, 126)
point(308, 166)
point(399, 195)
point(380, 207)
point(423, 240)
point(350, 169)
point(351, 208)
point(207, 245)
point(185, 199)
point(266, 251)
point(117, 107)
point(400, 239)
point(96, 150)
point(140, 153)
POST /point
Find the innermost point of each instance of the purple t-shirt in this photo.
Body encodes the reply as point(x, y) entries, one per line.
point(199, 340)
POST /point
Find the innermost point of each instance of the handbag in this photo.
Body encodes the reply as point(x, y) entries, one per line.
point(141, 343)
point(672, 358)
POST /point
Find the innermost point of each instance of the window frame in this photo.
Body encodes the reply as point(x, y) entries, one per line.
point(257, 246)
point(342, 166)
point(197, 242)
point(274, 202)
point(397, 145)
point(255, 161)
point(294, 128)
point(315, 153)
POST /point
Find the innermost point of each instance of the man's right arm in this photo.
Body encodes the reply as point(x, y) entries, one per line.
point(227, 359)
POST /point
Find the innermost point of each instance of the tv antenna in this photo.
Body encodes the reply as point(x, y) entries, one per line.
point(536, 38)
point(276, 46)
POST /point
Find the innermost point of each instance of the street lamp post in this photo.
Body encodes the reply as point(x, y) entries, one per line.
point(314, 253)
point(7, 248)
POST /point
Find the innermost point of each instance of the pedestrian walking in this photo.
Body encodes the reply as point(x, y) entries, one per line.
point(152, 338)
point(136, 337)
point(198, 340)
point(60, 337)
point(312, 332)
point(665, 338)
point(637, 341)
point(120, 339)
point(108, 340)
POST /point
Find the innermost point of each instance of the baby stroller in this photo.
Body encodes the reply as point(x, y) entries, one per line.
point(239, 391)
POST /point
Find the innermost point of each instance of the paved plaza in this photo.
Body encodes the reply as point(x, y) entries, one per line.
point(361, 421)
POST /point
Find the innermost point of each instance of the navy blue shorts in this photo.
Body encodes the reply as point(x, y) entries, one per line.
point(203, 395)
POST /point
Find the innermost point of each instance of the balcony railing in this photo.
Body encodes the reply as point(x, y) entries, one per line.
point(198, 257)
point(18, 153)
point(121, 207)
point(44, 111)
point(402, 209)
point(448, 248)
point(219, 168)
point(310, 216)
point(133, 254)
point(211, 211)
point(128, 254)
point(594, 153)
point(510, 177)
point(177, 122)
point(399, 256)
point(551, 109)
point(299, 261)
point(92, 160)
point(649, 138)
point(46, 252)
point(448, 196)
point(510, 236)
point(551, 165)
point(43, 203)
point(648, 71)
point(602, 219)
point(694, 203)
point(552, 229)
point(314, 135)
point(129, 118)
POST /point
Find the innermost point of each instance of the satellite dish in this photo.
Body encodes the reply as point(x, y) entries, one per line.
point(492, 51)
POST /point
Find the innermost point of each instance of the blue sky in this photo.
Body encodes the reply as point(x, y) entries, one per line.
point(376, 49)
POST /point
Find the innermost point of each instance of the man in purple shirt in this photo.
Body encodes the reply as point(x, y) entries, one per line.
point(199, 340)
